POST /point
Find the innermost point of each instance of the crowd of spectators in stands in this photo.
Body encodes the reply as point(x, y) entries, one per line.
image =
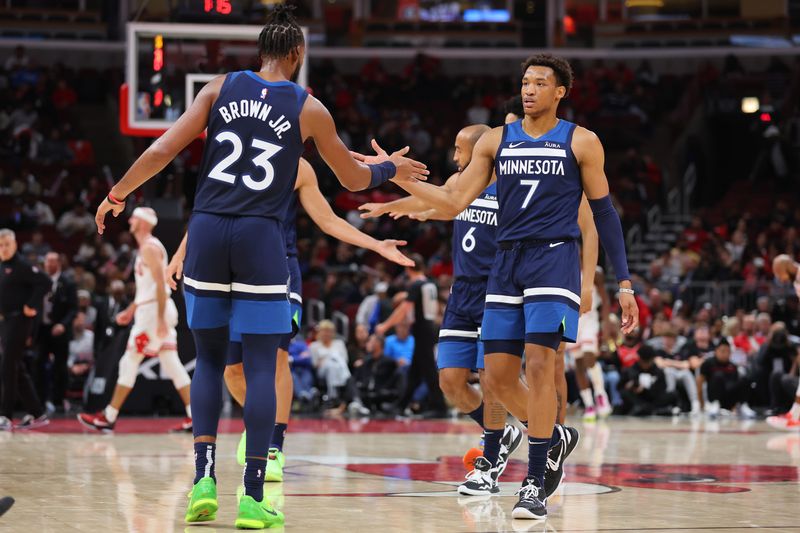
point(738, 339)
point(48, 184)
point(711, 309)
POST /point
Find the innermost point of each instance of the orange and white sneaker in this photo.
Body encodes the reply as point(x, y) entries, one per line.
point(96, 421)
point(793, 425)
point(781, 421)
point(184, 427)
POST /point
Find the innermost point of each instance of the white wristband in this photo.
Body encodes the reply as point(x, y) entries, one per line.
point(625, 290)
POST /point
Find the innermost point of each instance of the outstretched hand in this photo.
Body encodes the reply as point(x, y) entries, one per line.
point(389, 249)
point(630, 313)
point(124, 318)
point(104, 207)
point(380, 154)
point(421, 216)
point(407, 169)
point(587, 295)
point(394, 210)
point(373, 210)
point(174, 271)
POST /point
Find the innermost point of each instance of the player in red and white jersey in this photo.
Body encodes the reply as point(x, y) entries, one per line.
point(787, 269)
point(588, 373)
point(153, 333)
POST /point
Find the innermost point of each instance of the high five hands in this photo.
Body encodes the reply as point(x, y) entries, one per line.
point(408, 169)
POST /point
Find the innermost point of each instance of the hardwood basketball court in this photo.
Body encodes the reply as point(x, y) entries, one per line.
point(625, 475)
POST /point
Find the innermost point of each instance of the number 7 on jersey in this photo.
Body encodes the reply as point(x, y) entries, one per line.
point(532, 184)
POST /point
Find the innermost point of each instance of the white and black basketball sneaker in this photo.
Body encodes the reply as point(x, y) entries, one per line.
point(482, 480)
point(532, 504)
point(512, 438)
point(554, 473)
point(32, 422)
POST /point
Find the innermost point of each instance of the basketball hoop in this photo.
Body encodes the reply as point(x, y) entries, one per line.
point(155, 95)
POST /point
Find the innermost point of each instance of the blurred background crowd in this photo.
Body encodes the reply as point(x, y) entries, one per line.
point(707, 193)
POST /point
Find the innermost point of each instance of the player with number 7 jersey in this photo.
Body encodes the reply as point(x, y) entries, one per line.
point(461, 350)
point(542, 165)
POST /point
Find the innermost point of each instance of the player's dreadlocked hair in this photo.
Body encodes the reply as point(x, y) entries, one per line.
point(281, 34)
point(560, 66)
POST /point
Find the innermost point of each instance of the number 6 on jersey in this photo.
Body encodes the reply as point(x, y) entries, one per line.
point(468, 242)
point(261, 160)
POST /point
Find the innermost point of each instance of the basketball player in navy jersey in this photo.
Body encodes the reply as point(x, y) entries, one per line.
point(236, 271)
point(460, 348)
point(589, 255)
point(308, 194)
point(543, 165)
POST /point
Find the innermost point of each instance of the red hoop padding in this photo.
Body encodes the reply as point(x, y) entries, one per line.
point(124, 118)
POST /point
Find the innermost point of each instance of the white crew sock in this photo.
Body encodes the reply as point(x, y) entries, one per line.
point(189, 410)
point(596, 377)
point(588, 399)
point(111, 413)
point(795, 410)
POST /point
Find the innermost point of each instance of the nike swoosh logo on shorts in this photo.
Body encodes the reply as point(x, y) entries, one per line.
point(514, 145)
point(554, 244)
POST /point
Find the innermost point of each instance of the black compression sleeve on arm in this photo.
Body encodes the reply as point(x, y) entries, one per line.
point(609, 229)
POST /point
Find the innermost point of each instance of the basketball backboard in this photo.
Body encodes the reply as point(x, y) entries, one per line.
point(167, 64)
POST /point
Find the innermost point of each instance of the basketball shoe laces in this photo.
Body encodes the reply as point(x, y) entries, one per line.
point(529, 491)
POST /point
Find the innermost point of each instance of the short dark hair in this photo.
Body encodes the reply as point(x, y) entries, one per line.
point(723, 342)
point(281, 34)
point(560, 66)
point(514, 105)
point(646, 352)
point(419, 262)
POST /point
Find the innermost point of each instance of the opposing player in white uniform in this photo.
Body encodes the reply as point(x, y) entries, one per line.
point(153, 333)
point(588, 373)
point(787, 269)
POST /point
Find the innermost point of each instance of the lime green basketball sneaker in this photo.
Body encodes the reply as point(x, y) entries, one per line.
point(202, 501)
point(241, 449)
point(275, 462)
point(257, 515)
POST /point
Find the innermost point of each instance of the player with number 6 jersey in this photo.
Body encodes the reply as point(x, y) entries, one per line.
point(460, 348)
point(235, 270)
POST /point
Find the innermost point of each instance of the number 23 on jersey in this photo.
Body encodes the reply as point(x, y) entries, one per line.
point(261, 160)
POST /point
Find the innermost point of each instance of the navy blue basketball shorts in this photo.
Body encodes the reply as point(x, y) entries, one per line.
point(460, 344)
point(296, 303)
point(533, 289)
point(235, 274)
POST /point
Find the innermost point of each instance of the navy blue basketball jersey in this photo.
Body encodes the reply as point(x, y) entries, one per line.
point(252, 150)
point(290, 226)
point(538, 184)
point(475, 236)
